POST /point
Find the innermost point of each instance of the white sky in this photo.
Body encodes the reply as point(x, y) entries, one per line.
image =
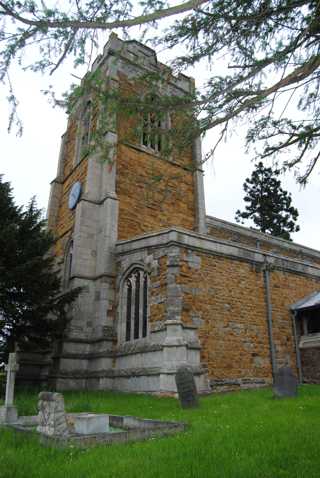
point(30, 162)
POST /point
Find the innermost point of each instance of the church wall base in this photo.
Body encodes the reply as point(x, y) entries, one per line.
point(155, 381)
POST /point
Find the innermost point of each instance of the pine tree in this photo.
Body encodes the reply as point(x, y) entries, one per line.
point(32, 308)
point(268, 205)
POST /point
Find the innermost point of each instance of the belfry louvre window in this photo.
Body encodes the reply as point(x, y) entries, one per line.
point(136, 305)
point(153, 126)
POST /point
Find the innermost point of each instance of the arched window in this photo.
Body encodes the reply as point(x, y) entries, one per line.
point(68, 264)
point(135, 305)
point(153, 126)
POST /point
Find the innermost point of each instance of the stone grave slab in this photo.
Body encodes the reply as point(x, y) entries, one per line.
point(285, 383)
point(186, 387)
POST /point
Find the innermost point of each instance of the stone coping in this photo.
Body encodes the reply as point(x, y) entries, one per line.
point(126, 429)
point(260, 236)
point(206, 244)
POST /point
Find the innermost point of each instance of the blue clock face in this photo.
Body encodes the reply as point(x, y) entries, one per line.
point(74, 195)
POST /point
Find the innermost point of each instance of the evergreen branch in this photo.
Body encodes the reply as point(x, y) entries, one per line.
point(298, 75)
point(65, 52)
point(101, 24)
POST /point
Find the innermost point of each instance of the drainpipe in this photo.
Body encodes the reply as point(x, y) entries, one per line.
point(298, 356)
point(266, 275)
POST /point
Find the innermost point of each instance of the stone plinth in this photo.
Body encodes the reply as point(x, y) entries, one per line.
point(52, 418)
point(8, 414)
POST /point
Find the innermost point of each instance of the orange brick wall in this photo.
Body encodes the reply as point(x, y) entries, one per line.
point(228, 296)
point(153, 193)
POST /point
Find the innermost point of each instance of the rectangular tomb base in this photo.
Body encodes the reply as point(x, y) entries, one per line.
point(88, 423)
point(122, 429)
point(90, 429)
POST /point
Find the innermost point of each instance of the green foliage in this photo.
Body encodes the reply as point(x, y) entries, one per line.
point(264, 57)
point(268, 205)
point(32, 308)
point(247, 434)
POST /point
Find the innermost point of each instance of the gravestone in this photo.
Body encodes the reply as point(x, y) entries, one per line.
point(51, 416)
point(8, 413)
point(186, 388)
point(285, 383)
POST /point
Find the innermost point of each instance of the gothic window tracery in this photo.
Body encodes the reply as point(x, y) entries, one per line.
point(135, 293)
point(153, 126)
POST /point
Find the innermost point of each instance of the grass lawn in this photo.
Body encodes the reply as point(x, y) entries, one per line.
point(242, 434)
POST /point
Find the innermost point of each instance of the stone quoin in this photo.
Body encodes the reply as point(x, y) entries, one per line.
point(164, 285)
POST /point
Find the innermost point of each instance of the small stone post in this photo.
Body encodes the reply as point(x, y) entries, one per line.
point(8, 413)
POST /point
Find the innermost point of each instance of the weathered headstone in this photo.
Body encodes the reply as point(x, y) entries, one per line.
point(186, 388)
point(285, 383)
point(8, 413)
point(51, 416)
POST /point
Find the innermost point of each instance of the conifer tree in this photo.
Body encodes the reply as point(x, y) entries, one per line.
point(32, 308)
point(268, 205)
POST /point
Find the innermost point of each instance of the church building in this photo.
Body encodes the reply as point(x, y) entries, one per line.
point(163, 284)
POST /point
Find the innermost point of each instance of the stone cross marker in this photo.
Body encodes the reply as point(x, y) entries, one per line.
point(52, 417)
point(285, 383)
point(11, 369)
point(186, 387)
point(8, 413)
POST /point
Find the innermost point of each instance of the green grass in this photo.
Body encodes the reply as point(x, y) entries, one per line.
point(244, 434)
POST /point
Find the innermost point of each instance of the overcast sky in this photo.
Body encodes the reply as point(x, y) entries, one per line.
point(30, 162)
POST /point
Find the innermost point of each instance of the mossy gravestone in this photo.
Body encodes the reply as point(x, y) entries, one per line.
point(51, 417)
point(285, 383)
point(186, 388)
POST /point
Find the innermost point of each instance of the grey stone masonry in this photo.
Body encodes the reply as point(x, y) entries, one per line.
point(209, 245)
point(51, 418)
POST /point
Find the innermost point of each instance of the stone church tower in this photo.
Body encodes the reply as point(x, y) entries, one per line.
point(163, 284)
point(96, 202)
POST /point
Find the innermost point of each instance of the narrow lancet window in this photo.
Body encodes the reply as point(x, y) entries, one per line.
point(136, 305)
point(129, 304)
point(145, 306)
point(68, 264)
